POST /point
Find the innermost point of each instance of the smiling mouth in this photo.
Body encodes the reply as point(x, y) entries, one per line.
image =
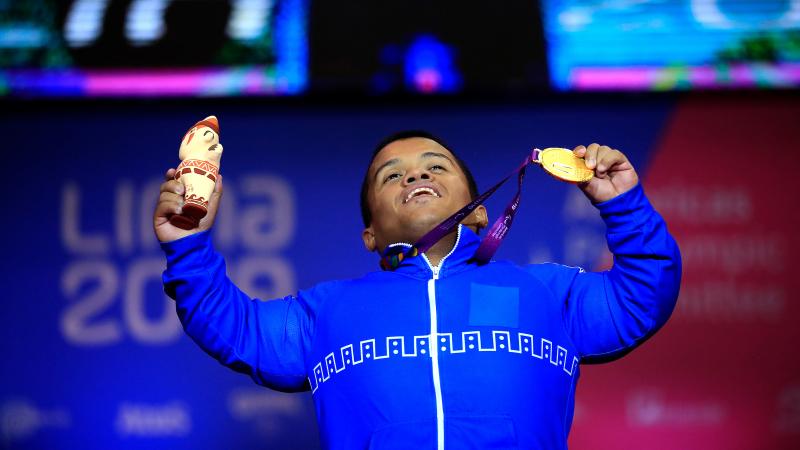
point(422, 191)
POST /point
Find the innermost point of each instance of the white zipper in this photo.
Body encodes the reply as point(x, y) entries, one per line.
point(434, 349)
point(433, 340)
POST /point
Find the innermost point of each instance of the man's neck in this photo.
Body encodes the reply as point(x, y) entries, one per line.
point(439, 250)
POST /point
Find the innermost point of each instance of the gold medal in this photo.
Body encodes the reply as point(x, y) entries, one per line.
point(563, 164)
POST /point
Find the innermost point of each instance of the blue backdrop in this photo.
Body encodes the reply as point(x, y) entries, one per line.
point(93, 355)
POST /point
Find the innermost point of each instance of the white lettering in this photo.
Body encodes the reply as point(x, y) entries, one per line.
point(704, 205)
point(168, 327)
point(649, 408)
point(142, 420)
point(123, 221)
point(268, 226)
point(226, 222)
point(71, 235)
point(148, 197)
point(20, 419)
point(734, 253)
point(732, 302)
point(263, 221)
point(249, 403)
point(74, 323)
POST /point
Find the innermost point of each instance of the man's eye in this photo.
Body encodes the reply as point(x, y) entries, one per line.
point(436, 167)
point(391, 177)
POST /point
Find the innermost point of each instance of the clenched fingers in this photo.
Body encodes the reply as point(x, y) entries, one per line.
point(169, 175)
point(168, 204)
point(173, 186)
point(608, 159)
point(593, 152)
point(170, 198)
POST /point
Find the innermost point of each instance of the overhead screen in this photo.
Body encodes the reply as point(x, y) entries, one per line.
point(672, 44)
point(152, 47)
point(123, 48)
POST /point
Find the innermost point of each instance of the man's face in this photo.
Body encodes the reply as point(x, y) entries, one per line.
point(414, 184)
point(198, 141)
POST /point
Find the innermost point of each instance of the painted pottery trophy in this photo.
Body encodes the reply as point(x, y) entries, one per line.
point(200, 154)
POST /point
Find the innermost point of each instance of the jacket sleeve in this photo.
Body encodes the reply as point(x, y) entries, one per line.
point(265, 340)
point(608, 314)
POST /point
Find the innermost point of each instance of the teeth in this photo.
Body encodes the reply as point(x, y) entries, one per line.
point(418, 190)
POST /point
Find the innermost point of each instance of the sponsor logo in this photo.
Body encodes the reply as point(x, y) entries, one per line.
point(649, 408)
point(153, 420)
point(246, 404)
point(21, 419)
point(268, 411)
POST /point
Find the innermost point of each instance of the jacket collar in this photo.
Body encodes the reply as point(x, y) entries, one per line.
point(458, 259)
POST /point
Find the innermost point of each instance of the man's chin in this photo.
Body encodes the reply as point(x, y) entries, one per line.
point(421, 222)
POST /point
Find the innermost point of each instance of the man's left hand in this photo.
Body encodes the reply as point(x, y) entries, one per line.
point(613, 173)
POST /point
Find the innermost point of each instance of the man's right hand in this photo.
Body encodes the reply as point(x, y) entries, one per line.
point(170, 202)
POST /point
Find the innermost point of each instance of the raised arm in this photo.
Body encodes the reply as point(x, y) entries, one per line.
point(610, 313)
point(266, 340)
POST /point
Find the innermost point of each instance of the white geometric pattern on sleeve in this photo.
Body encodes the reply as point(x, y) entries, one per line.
point(523, 344)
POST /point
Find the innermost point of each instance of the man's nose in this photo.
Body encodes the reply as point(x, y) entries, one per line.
point(416, 175)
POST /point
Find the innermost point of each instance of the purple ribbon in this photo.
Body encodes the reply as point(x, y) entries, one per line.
point(393, 256)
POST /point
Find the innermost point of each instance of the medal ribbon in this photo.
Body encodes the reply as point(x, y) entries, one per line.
point(393, 256)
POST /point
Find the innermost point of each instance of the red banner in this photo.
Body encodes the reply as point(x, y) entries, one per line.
point(724, 371)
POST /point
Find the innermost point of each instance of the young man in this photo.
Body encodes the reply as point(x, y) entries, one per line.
point(441, 352)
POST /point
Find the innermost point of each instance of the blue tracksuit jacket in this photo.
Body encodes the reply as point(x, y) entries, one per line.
point(457, 356)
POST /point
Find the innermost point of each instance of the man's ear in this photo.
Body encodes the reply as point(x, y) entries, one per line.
point(478, 219)
point(368, 235)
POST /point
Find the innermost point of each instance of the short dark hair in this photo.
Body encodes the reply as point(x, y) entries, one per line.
point(366, 214)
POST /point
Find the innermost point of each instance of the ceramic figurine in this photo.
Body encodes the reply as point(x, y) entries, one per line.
point(200, 155)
